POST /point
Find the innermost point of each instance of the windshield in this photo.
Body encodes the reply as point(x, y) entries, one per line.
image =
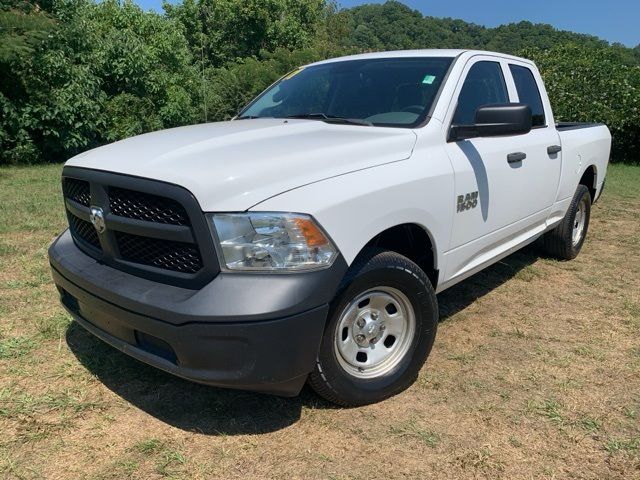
point(395, 92)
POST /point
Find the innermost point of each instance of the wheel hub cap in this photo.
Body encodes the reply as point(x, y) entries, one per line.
point(374, 333)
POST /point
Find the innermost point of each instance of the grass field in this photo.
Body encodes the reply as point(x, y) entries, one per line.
point(535, 374)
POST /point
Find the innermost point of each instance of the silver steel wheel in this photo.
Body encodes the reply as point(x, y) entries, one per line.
point(374, 332)
point(579, 222)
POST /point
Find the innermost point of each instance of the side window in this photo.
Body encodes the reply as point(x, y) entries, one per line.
point(528, 92)
point(484, 85)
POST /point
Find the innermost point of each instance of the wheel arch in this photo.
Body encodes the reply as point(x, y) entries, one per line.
point(590, 180)
point(411, 240)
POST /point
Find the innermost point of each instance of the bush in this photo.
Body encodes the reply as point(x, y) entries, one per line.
point(222, 31)
point(102, 72)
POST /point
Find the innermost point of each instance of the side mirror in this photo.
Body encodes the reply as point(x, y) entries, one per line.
point(495, 121)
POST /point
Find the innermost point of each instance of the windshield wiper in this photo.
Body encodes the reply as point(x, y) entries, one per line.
point(331, 119)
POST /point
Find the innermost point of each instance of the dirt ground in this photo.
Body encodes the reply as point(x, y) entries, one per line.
point(535, 374)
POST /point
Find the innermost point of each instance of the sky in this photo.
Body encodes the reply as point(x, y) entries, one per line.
point(612, 20)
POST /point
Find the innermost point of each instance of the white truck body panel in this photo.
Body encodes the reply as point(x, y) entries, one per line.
point(581, 149)
point(359, 181)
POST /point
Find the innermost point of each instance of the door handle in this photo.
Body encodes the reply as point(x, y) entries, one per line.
point(516, 157)
point(553, 149)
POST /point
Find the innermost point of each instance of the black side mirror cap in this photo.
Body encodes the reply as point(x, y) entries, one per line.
point(495, 121)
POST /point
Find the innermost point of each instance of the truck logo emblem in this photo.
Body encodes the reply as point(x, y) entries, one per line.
point(467, 202)
point(97, 219)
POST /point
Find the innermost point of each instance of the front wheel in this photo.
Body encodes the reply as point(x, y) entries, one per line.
point(380, 330)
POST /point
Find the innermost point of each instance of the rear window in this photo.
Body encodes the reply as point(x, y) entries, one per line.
point(528, 93)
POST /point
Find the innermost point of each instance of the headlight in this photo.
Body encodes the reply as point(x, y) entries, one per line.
point(272, 241)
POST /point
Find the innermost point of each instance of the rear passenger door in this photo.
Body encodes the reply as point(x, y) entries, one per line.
point(544, 156)
point(497, 203)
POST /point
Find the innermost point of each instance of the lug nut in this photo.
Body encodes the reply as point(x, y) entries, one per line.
point(360, 338)
point(360, 322)
point(383, 327)
point(374, 315)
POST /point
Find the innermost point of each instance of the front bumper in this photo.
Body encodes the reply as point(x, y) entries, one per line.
point(257, 332)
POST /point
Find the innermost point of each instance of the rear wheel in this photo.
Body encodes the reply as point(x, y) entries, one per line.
point(380, 331)
point(566, 239)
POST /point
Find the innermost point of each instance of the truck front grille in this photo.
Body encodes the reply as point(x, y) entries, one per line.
point(152, 229)
point(175, 256)
point(84, 231)
point(77, 190)
point(143, 206)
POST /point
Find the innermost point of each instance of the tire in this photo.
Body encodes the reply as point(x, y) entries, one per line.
point(564, 242)
point(387, 310)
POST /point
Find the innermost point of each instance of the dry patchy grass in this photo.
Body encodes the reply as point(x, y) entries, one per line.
point(535, 374)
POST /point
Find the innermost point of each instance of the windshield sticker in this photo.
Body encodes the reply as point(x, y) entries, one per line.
point(293, 74)
point(429, 79)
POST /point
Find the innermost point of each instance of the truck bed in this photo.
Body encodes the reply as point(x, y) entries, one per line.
point(583, 144)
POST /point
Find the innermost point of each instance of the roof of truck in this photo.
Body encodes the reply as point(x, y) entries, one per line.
point(419, 53)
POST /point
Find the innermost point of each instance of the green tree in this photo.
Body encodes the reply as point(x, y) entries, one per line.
point(107, 70)
point(21, 32)
point(515, 37)
point(225, 30)
point(145, 68)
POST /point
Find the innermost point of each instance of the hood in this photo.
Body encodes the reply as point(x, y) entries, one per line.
point(232, 166)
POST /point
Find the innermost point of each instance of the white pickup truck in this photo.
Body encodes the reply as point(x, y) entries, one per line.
point(306, 239)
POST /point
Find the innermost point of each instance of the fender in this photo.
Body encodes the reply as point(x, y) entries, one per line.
point(355, 208)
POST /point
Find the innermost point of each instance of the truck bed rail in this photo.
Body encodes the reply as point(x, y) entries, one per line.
point(564, 126)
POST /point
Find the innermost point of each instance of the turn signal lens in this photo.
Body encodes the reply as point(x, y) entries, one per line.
point(311, 232)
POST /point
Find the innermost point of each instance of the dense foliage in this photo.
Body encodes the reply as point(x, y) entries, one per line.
point(76, 74)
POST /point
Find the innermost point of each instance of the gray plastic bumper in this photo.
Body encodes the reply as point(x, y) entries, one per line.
point(256, 332)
